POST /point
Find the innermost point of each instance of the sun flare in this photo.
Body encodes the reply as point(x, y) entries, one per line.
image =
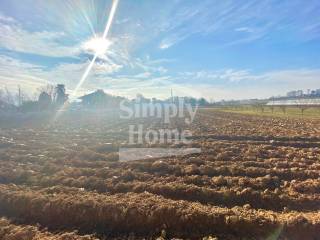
point(97, 46)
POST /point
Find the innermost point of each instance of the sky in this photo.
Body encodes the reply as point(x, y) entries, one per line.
point(230, 49)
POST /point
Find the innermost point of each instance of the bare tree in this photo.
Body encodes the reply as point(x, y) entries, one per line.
point(272, 108)
point(260, 106)
point(20, 97)
point(303, 108)
point(8, 96)
point(61, 97)
point(302, 104)
point(48, 89)
point(283, 108)
point(272, 105)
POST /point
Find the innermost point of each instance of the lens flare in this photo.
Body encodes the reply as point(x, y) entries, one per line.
point(97, 45)
point(104, 36)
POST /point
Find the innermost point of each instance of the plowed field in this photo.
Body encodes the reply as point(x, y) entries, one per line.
point(255, 178)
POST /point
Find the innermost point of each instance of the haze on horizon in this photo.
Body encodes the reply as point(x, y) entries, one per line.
point(212, 49)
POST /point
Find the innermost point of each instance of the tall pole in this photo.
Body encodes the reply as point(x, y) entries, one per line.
point(19, 96)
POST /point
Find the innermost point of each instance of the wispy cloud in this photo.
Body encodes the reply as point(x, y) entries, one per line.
point(217, 84)
point(14, 72)
point(13, 37)
point(244, 29)
point(6, 19)
point(241, 22)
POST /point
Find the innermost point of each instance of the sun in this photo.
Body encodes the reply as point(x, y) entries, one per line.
point(97, 46)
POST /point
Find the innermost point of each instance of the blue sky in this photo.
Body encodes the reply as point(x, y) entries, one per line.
point(214, 49)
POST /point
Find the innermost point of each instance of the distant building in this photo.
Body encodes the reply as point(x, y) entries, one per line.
point(297, 93)
point(97, 98)
point(291, 94)
point(300, 93)
point(100, 99)
point(141, 99)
